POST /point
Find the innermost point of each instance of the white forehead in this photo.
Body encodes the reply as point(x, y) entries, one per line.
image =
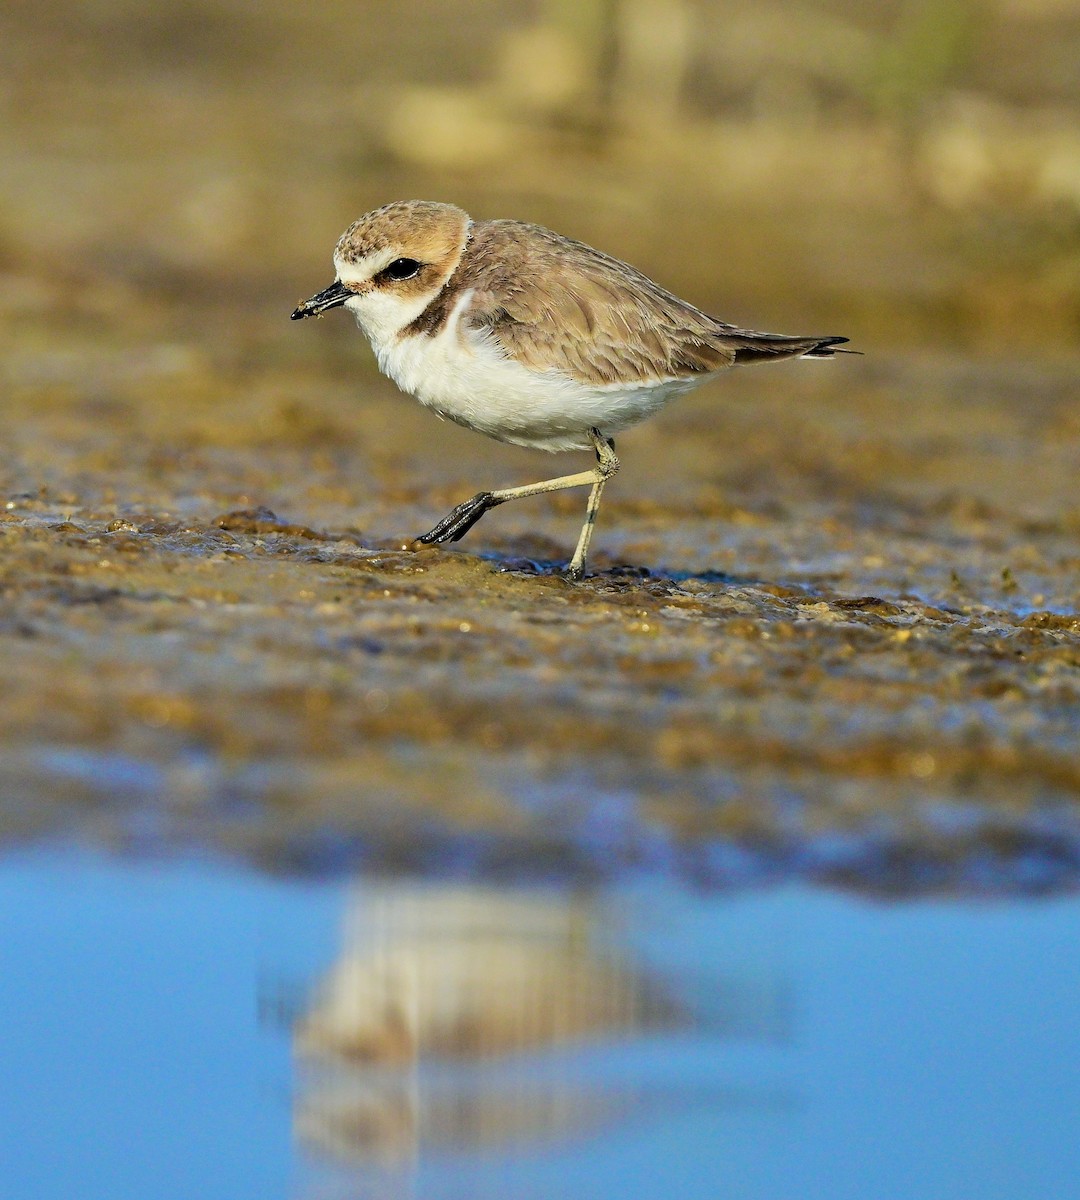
point(360, 270)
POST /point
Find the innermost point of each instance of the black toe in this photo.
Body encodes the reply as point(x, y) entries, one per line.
point(456, 525)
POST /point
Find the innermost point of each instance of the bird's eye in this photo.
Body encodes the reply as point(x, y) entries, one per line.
point(401, 268)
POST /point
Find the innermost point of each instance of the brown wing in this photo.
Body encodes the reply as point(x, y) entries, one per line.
point(560, 305)
point(557, 304)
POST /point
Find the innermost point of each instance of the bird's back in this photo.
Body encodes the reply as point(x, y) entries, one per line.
point(557, 304)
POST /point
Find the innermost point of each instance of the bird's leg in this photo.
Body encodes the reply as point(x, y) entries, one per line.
point(458, 522)
point(607, 464)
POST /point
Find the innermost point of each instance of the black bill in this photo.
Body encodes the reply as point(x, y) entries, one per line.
point(337, 293)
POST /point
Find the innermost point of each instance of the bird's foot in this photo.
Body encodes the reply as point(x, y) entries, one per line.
point(458, 522)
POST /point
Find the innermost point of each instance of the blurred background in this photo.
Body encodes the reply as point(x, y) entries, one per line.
point(907, 171)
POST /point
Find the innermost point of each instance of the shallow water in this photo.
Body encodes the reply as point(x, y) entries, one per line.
point(808, 1044)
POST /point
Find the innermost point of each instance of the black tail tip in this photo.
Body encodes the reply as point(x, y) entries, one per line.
point(826, 348)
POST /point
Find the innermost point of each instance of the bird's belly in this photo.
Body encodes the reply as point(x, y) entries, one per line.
point(475, 385)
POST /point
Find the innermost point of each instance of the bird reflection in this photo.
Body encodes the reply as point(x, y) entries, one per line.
point(473, 974)
point(452, 1017)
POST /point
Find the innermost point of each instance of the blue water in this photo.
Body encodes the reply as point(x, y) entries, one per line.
point(916, 1049)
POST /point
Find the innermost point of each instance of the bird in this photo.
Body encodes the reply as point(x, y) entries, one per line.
point(529, 337)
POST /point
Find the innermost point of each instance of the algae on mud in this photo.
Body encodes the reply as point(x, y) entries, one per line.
point(833, 625)
point(861, 672)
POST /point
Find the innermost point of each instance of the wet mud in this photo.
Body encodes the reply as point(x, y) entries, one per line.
point(832, 624)
point(830, 627)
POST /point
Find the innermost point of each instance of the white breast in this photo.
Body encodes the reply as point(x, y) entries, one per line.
point(465, 376)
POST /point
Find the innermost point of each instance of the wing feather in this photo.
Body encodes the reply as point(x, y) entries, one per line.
point(559, 305)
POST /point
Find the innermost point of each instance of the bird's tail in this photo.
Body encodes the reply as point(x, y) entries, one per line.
point(750, 347)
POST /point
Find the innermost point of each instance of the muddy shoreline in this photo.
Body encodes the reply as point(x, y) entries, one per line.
point(776, 668)
point(832, 629)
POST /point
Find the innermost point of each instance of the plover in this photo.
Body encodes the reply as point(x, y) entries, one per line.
point(529, 337)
